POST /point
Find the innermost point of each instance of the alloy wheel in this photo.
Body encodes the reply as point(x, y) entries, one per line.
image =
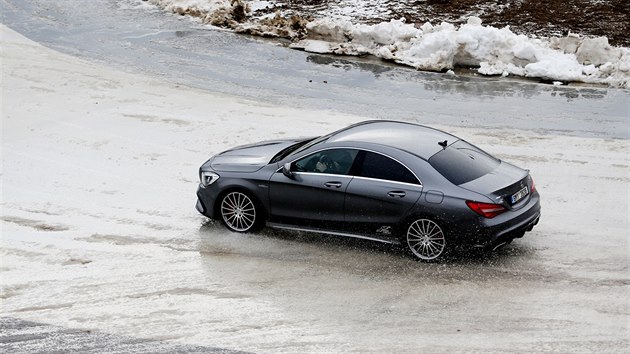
point(238, 211)
point(426, 239)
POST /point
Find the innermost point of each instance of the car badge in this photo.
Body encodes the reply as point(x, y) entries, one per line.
point(385, 230)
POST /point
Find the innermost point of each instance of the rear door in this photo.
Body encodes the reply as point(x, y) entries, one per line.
point(380, 195)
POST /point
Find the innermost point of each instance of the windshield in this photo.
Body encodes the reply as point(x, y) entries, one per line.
point(462, 162)
point(311, 143)
point(286, 151)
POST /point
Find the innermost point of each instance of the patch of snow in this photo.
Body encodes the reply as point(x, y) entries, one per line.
point(186, 6)
point(260, 5)
point(222, 13)
point(316, 46)
point(596, 51)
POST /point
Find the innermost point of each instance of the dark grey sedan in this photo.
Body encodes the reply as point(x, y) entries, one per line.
point(385, 181)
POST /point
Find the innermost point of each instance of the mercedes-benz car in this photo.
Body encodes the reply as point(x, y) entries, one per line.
point(386, 181)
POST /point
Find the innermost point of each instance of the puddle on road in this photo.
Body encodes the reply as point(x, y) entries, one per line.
point(355, 257)
point(35, 224)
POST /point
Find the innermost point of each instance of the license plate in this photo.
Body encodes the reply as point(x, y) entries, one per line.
point(519, 195)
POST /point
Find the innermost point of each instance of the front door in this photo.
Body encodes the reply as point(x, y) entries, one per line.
point(315, 195)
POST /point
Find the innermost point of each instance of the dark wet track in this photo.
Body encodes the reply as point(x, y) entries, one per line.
point(178, 49)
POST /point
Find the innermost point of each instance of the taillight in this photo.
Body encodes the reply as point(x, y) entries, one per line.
point(533, 189)
point(486, 210)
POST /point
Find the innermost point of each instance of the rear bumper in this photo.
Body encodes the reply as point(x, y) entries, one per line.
point(517, 231)
point(508, 226)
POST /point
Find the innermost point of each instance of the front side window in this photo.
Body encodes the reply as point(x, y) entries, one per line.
point(332, 161)
point(382, 167)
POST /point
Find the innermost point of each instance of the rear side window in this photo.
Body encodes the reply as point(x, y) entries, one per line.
point(461, 162)
point(382, 167)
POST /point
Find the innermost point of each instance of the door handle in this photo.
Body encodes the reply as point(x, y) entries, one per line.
point(333, 184)
point(398, 194)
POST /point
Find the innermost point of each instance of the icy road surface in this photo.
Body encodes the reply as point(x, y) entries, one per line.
point(99, 231)
point(18, 336)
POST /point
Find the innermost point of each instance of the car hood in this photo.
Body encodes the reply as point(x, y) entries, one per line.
point(249, 158)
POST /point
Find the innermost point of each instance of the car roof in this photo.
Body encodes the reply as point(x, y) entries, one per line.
point(414, 138)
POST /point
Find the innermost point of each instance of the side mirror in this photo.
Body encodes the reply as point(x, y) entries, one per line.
point(286, 170)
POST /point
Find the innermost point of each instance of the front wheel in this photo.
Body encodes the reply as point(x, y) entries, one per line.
point(239, 212)
point(426, 239)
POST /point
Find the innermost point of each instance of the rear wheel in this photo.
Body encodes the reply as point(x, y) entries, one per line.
point(426, 240)
point(239, 212)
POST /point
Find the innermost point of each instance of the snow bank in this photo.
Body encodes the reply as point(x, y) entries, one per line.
point(491, 50)
point(442, 47)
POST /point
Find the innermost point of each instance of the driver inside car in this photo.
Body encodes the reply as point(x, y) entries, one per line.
point(326, 164)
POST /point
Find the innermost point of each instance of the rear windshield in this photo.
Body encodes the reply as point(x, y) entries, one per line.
point(461, 162)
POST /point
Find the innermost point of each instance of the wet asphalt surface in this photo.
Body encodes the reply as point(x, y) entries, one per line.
point(19, 336)
point(556, 290)
point(117, 33)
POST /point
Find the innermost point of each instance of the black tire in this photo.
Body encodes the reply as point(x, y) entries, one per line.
point(426, 240)
point(239, 212)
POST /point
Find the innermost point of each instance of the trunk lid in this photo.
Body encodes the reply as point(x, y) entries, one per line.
point(502, 184)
